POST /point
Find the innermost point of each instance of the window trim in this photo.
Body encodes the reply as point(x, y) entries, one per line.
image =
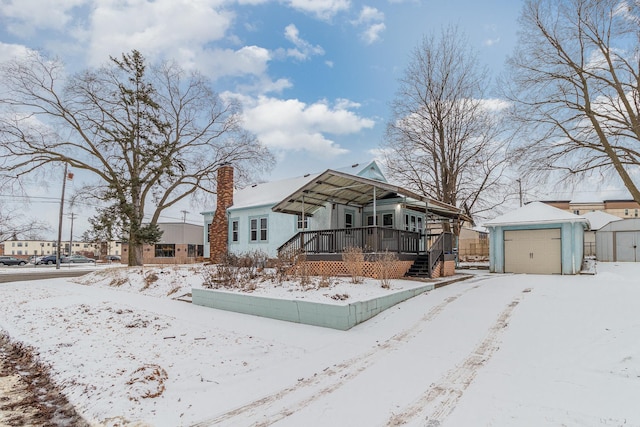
point(234, 235)
point(258, 230)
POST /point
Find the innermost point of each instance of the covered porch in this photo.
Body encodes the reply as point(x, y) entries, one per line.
point(386, 218)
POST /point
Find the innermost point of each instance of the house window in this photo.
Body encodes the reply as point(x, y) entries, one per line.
point(263, 229)
point(303, 225)
point(420, 227)
point(576, 211)
point(258, 229)
point(626, 212)
point(636, 212)
point(370, 221)
point(164, 250)
point(19, 244)
point(234, 230)
point(348, 220)
point(191, 251)
point(387, 220)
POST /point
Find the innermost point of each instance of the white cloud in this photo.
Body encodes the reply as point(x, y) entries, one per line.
point(26, 16)
point(162, 27)
point(495, 104)
point(369, 14)
point(323, 9)
point(373, 22)
point(372, 34)
point(491, 42)
point(292, 125)
point(303, 49)
point(216, 63)
point(13, 51)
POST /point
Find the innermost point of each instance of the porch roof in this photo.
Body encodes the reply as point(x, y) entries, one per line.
point(338, 187)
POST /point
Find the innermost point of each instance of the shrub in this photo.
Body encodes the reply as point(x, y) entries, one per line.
point(384, 265)
point(353, 259)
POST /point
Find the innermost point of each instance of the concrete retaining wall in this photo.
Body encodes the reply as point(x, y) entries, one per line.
point(334, 316)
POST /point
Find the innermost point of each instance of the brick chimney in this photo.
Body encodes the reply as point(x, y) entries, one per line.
point(219, 228)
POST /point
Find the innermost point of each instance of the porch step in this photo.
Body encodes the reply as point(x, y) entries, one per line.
point(419, 268)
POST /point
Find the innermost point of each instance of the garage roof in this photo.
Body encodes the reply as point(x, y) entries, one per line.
point(338, 187)
point(536, 213)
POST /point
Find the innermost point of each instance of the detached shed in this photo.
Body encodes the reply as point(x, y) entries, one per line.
point(619, 241)
point(536, 239)
point(597, 220)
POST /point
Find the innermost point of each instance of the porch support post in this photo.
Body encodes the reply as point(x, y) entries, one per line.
point(303, 227)
point(426, 227)
point(375, 223)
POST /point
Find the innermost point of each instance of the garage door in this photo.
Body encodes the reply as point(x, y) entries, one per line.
point(628, 246)
point(533, 251)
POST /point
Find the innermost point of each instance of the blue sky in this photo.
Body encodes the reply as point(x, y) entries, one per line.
point(316, 76)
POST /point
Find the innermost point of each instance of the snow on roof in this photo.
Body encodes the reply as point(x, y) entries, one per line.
point(535, 213)
point(270, 193)
point(589, 197)
point(599, 219)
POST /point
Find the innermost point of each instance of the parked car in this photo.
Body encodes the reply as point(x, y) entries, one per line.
point(76, 259)
point(35, 259)
point(49, 259)
point(9, 260)
point(113, 258)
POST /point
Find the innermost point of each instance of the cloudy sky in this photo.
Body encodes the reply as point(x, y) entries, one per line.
point(316, 76)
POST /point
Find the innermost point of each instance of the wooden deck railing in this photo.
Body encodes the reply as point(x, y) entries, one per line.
point(369, 239)
point(442, 245)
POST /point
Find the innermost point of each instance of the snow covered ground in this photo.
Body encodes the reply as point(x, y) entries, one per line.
point(502, 350)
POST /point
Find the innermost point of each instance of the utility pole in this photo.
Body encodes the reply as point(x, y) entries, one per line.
point(184, 216)
point(520, 189)
point(72, 216)
point(64, 183)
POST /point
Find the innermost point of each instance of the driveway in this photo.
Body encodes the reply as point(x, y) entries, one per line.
point(502, 350)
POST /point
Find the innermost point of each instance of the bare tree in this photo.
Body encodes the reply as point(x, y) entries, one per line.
point(14, 225)
point(574, 83)
point(444, 138)
point(151, 136)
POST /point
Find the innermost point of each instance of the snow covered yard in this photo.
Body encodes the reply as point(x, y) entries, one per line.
point(492, 350)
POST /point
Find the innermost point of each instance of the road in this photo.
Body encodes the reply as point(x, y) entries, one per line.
point(18, 274)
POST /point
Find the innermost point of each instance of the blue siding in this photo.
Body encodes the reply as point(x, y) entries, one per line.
point(572, 243)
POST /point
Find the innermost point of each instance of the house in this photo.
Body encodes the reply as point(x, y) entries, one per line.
point(181, 243)
point(619, 241)
point(597, 220)
point(537, 238)
point(622, 208)
point(325, 213)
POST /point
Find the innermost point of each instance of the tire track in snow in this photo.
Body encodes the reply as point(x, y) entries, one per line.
point(442, 397)
point(335, 376)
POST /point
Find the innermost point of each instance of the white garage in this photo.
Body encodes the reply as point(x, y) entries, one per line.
point(536, 239)
point(619, 241)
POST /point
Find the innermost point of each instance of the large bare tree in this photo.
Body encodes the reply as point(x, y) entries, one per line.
point(573, 80)
point(444, 138)
point(151, 136)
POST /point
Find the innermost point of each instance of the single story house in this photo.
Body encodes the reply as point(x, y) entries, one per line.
point(181, 243)
point(537, 238)
point(619, 241)
point(325, 213)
